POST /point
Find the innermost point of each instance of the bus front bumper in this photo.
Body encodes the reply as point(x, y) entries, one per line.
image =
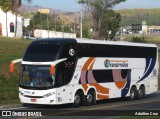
point(47, 97)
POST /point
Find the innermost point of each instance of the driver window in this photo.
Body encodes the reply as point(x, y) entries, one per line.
point(26, 77)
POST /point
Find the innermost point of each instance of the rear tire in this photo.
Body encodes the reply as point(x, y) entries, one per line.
point(90, 98)
point(141, 93)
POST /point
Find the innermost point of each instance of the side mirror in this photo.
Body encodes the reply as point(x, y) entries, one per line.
point(11, 68)
point(52, 70)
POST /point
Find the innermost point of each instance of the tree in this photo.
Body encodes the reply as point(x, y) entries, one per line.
point(111, 24)
point(98, 9)
point(16, 4)
point(5, 6)
point(40, 21)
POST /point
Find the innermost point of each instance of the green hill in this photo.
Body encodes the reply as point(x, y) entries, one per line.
point(136, 16)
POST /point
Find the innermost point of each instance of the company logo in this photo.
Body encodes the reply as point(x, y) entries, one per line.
point(27, 92)
point(21, 114)
point(72, 52)
point(115, 63)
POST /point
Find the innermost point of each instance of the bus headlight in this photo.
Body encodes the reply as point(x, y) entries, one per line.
point(47, 95)
point(21, 93)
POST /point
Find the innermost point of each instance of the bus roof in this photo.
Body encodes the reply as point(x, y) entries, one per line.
point(56, 40)
point(91, 41)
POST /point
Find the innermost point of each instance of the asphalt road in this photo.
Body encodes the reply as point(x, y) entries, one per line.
point(150, 105)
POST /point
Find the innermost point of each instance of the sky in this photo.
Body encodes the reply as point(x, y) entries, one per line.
point(72, 5)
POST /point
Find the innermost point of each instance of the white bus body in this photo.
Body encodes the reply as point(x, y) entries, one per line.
point(109, 70)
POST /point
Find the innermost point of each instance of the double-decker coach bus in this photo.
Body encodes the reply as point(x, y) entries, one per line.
point(60, 71)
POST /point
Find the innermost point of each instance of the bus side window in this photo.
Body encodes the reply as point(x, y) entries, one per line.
point(59, 78)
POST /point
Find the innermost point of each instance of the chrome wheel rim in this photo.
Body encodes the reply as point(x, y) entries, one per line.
point(77, 99)
point(89, 98)
point(132, 94)
point(141, 92)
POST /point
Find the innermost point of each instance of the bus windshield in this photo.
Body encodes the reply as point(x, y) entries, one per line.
point(36, 76)
point(41, 52)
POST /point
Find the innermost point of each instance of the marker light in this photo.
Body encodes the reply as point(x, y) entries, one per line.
point(52, 70)
point(11, 69)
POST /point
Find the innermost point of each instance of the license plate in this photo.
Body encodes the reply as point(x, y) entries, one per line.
point(33, 100)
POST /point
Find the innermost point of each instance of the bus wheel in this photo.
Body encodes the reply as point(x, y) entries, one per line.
point(141, 92)
point(90, 98)
point(77, 99)
point(132, 94)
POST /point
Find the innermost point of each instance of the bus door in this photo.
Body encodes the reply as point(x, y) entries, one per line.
point(65, 71)
point(64, 74)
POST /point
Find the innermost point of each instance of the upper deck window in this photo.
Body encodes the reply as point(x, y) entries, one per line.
point(42, 52)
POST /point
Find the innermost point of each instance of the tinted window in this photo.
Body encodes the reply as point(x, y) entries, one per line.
point(36, 77)
point(102, 76)
point(64, 72)
point(92, 50)
point(124, 73)
point(41, 52)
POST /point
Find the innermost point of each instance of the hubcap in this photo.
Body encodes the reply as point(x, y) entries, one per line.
point(141, 92)
point(89, 97)
point(132, 94)
point(77, 99)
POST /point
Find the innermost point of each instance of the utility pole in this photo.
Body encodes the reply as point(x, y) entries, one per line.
point(41, 23)
point(121, 32)
point(69, 29)
point(55, 24)
point(47, 12)
point(48, 25)
point(62, 27)
point(33, 26)
point(75, 21)
point(81, 29)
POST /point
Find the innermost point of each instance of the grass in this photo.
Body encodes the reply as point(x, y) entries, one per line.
point(11, 49)
point(153, 38)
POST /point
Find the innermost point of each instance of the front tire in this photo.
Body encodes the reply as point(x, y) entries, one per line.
point(77, 100)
